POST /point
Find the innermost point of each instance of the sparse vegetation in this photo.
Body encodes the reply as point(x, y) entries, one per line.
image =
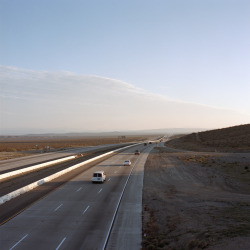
point(199, 200)
point(193, 201)
point(232, 139)
point(17, 146)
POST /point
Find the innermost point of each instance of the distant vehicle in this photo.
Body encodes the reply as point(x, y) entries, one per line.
point(127, 163)
point(137, 152)
point(145, 144)
point(78, 155)
point(99, 176)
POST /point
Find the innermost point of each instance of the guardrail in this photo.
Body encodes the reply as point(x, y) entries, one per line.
point(33, 185)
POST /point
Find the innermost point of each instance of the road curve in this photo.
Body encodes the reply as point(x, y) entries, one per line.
point(78, 215)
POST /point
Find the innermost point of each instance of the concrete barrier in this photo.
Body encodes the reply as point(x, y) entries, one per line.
point(31, 168)
point(33, 185)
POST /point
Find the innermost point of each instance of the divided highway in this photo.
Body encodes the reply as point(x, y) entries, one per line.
point(82, 215)
point(17, 163)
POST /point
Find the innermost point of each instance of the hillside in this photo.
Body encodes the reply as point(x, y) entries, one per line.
point(232, 139)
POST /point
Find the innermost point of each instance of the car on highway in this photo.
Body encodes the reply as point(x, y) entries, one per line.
point(127, 163)
point(99, 176)
point(137, 152)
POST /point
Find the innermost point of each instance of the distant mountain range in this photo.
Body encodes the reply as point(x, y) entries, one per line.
point(163, 131)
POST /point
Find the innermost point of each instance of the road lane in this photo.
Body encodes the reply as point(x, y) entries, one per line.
point(75, 216)
point(12, 164)
point(126, 231)
point(19, 184)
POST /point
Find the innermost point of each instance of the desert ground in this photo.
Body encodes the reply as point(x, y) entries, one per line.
point(18, 146)
point(196, 190)
point(196, 200)
point(232, 139)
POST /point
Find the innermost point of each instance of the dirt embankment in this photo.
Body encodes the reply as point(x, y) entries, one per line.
point(232, 139)
point(196, 200)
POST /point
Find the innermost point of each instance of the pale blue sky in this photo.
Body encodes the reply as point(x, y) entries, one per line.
point(192, 51)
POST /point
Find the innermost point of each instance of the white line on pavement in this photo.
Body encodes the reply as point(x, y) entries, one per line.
point(78, 189)
point(40, 182)
point(100, 191)
point(85, 210)
point(61, 243)
point(19, 241)
point(58, 207)
point(117, 206)
point(109, 179)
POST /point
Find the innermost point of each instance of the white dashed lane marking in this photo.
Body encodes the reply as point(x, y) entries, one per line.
point(58, 207)
point(19, 242)
point(85, 210)
point(80, 188)
point(61, 243)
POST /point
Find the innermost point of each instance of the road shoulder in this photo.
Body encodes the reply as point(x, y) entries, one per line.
point(127, 229)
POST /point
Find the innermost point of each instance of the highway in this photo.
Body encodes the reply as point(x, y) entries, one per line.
point(11, 164)
point(82, 215)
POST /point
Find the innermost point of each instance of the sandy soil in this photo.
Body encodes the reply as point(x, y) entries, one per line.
point(19, 146)
point(11, 155)
point(196, 200)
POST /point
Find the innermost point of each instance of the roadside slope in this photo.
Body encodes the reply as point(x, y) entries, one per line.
point(232, 139)
point(196, 200)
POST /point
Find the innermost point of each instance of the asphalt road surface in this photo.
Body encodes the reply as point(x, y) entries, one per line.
point(11, 164)
point(79, 214)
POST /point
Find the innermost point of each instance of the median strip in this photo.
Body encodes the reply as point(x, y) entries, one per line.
point(24, 170)
point(33, 185)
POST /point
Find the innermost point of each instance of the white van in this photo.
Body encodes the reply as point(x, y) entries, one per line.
point(99, 176)
point(127, 163)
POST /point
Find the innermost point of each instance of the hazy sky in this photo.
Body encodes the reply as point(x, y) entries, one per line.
point(111, 65)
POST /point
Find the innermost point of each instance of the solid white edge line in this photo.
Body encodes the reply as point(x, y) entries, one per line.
point(61, 243)
point(41, 165)
point(19, 242)
point(58, 207)
point(33, 185)
point(117, 207)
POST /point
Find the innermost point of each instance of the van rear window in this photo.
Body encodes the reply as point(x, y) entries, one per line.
point(97, 175)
